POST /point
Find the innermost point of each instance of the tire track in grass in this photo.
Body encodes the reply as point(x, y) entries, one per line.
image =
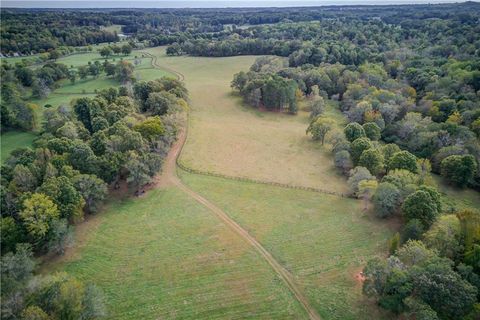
point(169, 177)
point(276, 266)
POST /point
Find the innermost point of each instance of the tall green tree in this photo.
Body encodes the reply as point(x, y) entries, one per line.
point(319, 128)
point(353, 131)
point(358, 147)
point(386, 199)
point(403, 160)
point(372, 131)
point(420, 205)
point(38, 214)
point(372, 159)
point(63, 193)
point(92, 189)
point(459, 170)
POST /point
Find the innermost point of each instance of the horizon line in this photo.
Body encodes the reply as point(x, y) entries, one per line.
point(215, 4)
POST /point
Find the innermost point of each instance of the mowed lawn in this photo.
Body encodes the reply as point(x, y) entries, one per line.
point(323, 240)
point(12, 140)
point(163, 256)
point(229, 138)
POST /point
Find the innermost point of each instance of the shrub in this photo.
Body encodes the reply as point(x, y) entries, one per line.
point(356, 175)
point(343, 161)
point(413, 230)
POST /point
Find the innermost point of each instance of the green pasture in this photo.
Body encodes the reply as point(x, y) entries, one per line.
point(164, 256)
point(12, 140)
point(230, 138)
point(323, 240)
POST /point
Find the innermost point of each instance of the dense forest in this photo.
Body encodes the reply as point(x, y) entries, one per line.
point(226, 32)
point(405, 78)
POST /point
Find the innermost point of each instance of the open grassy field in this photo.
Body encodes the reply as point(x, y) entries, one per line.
point(143, 71)
point(86, 87)
point(12, 140)
point(324, 241)
point(82, 59)
point(177, 260)
point(35, 58)
point(113, 28)
point(164, 256)
point(455, 198)
point(228, 138)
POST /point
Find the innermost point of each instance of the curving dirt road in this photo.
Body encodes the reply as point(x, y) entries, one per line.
point(155, 64)
point(169, 177)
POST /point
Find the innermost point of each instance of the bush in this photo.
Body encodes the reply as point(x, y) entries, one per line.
point(394, 243)
point(356, 175)
point(413, 230)
point(341, 146)
point(343, 161)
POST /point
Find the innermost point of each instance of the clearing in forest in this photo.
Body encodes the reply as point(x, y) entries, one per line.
point(229, 138)
point(13, 140)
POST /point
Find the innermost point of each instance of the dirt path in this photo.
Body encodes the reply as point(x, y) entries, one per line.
point(281, 271)
point(155, 64)
point(169, 177)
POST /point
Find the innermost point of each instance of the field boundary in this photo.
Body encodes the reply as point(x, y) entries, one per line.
point(271, 183)
point(147, 55)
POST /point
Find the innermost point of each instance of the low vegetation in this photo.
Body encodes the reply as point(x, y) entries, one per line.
point(184, 264)
point(265, 146)
point(323, 240)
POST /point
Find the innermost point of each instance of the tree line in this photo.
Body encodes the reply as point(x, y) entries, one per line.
point(349, 32)
point(31, 31)
point(119, 136)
